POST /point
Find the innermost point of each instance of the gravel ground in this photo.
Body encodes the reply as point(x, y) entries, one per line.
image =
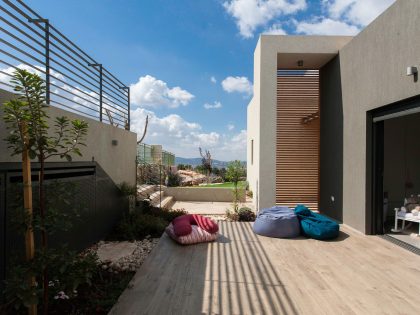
point(131, 262)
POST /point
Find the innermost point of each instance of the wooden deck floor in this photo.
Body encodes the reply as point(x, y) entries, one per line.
point(243, 273)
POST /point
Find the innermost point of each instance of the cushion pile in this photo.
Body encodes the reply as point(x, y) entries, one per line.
point(192, 229)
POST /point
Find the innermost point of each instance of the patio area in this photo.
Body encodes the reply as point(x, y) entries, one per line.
point(243, 273)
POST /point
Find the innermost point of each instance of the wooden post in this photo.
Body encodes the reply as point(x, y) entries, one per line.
point(27, 203)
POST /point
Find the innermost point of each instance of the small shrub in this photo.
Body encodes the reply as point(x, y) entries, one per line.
point(232, 215)
point(245, 214)
point(174, 180)
point(249, 193)
point(167, 215)
point(137, 226)
point(127, 190)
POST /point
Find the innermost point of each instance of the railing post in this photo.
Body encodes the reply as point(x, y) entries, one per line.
point(47, 56)
point(128, 107)
point(126, 88)
point(100, 86)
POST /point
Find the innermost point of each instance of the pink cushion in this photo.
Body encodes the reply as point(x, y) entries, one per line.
point(197, 235)
point(182, 224)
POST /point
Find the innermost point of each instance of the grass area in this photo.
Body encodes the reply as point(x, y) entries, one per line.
point(241, 184)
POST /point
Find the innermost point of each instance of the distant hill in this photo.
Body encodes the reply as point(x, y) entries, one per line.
point(197, 161)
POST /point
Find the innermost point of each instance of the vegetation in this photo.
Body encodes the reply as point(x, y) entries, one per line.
point(30, 136)
point(241, 185)
point(243, 214)
point(127, 190)
point(235, 172)
point(206, 161)
point(174, 180)
point(146, 220)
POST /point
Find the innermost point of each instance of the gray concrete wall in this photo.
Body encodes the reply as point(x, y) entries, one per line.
point(331, 146)
point(373, 74)
point(117, 161)
point(265, 98)
point(202, 194)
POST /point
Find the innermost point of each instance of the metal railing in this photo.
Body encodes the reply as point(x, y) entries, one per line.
point(74, 80)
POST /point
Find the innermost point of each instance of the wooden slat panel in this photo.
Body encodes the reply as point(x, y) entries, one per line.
point(297, 144)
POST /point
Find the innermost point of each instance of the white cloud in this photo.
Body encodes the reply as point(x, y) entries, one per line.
point(215, 105)
point(359, 12)
point(275, 29)
point(237, 84)
point(183, 138)
point(251, 14)
point(213, 80)
point(151, 92)
point(326, 26)
point(230, 127)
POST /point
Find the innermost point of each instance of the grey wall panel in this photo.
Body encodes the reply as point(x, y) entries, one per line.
point(331, 146)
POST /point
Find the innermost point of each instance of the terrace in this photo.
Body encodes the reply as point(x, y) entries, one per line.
point(240, 273)
point(243, 273)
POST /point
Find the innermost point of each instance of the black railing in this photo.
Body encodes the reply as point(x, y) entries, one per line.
point(74, 80)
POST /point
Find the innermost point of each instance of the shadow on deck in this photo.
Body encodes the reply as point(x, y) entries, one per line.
point(243, 273)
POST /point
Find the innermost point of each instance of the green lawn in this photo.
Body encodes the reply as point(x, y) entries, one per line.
point(241, 184)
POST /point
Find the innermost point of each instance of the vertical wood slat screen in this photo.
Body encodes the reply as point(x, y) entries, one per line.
point(297, 143)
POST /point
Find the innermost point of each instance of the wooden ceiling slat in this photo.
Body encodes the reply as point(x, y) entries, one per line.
point(297, 144)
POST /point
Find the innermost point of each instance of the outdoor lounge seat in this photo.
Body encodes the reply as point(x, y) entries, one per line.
point(315, 225)
point(197, 235)
point(277, 221)
point(192, 229)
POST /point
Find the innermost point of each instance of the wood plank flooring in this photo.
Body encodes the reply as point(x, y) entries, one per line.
point(243, 273)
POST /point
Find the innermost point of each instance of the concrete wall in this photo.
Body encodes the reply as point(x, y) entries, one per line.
point(373, 67)
point(117, 161)
point(265, 98)
point(331, 146)
point(202, 194)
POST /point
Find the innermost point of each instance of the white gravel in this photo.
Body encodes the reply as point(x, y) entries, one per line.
point(130, 262)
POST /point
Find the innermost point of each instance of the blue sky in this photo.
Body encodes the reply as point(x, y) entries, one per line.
point(190, 62)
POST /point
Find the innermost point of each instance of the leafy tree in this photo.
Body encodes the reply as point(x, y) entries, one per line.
point(206, 161)
point(26, 118)
point(235, 171)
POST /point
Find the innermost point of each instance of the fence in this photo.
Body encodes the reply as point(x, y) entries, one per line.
point(81, 186)
point(153, 154)
point(74, 80)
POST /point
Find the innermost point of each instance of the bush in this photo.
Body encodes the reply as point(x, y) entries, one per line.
point(145, 221)
point(244, 214)
point(167, 215)
point(174, 180)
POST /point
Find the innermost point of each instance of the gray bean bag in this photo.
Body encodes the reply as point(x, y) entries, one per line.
point(277, 221)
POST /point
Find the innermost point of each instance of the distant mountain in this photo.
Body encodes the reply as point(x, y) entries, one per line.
point(197, 161)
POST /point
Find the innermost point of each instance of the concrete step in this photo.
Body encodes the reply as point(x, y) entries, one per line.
point(167, 202)
point(155, 197)
point(144, 191)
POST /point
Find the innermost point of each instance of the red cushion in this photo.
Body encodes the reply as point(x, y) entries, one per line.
point(182, 224)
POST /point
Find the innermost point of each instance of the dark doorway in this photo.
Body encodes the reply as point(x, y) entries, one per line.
point(394, 171)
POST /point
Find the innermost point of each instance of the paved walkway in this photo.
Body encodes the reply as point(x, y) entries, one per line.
point(242, 273)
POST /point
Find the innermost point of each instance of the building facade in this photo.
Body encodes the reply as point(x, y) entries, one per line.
point(324, 120)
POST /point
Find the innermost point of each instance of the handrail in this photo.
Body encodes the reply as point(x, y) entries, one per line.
point(74, 80)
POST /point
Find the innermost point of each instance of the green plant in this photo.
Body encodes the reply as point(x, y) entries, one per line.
point(127, 190)
point(235, 171)
point(174, 180)
point(26, 119)
point(245, 214)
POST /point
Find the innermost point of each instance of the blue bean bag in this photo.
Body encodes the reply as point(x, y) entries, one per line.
point(315, 225)
point(277, 221)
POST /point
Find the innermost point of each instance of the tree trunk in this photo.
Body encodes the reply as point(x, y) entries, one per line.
point(44, 236)
point(27, 204)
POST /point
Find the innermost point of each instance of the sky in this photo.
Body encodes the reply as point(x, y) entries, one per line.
point(189, 63)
